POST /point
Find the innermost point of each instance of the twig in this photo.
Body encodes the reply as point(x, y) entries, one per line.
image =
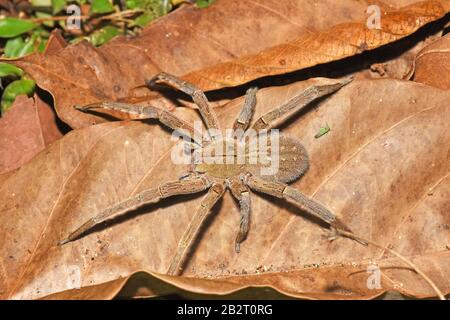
point(57, 18)
point(112, 16)
point(119, 14)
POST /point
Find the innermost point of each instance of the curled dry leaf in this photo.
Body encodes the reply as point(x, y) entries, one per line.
point(383, 169)
point(26, 129)
point(192, 39)
point(338, 42)
point(433, 64)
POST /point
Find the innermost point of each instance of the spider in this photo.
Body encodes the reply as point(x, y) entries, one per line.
point(240, 178)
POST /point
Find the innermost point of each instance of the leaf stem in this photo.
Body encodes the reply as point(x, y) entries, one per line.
point(398, 255)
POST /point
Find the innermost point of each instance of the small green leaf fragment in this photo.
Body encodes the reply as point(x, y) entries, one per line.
point(103, 35)
point(101, 6)
point(7, 69)
point(12, 27)
point(15, 89)
point(322, 131)
point(204, 3)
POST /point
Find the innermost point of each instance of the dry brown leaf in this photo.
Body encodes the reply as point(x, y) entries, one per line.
point(336, 43)
point(433, 64)
point(192, 39)
point(26, 129)
point(383, 168)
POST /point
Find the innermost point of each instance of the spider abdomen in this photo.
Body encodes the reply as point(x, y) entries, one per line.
point(283, 159)
point(292, 160)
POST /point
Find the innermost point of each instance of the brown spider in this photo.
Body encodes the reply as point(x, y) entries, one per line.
point(240, 178)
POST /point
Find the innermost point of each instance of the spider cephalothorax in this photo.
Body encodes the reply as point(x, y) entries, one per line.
point(254, 157)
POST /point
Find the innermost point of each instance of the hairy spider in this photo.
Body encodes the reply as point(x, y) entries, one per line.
point(240, 178)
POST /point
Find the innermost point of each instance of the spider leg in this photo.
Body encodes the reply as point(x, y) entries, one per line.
point(283, 191)
point(242, 193)
point(165, 190)
point(278, 115)
point(197, 95)
point(245, 115)
point(210, 199)
point(148, 112)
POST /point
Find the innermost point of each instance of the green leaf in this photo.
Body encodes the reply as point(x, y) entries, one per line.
point(101, 6)
point(15, 89)
point(103, 35)
point(42, 45)
point(13, 47)
point(144, 19)
point(7, 69)
point(322, 131)
point(17, 47)
point(12, 27)
point(28, 47)
point(58, 5)
point(131, 4)
point(204, 3)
